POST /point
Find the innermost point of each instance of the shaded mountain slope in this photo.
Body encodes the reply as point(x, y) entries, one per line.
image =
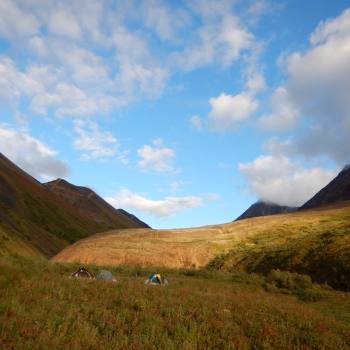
point(261, 208)
point(336, 191)
point(35, 221)
point(92, 205)
point(135, 219)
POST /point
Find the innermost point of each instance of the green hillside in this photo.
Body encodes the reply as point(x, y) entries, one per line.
point(313, 242)
point(35, 221)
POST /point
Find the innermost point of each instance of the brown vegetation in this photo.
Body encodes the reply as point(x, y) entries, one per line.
point(198, 246)
point(41, 308)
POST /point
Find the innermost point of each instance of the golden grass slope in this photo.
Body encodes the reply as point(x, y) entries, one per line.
point(196, 247)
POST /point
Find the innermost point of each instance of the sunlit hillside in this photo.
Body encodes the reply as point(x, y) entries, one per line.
point(303, 241)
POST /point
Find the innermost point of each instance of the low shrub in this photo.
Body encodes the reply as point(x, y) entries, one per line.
point(289, 280)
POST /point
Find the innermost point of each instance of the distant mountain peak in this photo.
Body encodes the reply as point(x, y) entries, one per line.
point(337, 190)
point(87, 200)
point(346, 167)
point(264, 208)
point(40, 219)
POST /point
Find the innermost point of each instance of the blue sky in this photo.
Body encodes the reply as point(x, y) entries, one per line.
point(181, 112)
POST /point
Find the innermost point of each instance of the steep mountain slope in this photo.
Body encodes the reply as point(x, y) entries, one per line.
point(92, 205)
point(261, 208)
point(35, 221)
point(336, 191)
point(314, 242)
point(135, 219)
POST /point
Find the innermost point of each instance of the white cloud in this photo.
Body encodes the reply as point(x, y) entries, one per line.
point(95, 143)
point(160, 208)
point(92, 54)
point(156, 157)
point(15, 21)
point(64, 23)
point(332, 28)
point(228, 110)
point(31, 154)
point(257, 8)
point(278, 180)
point(277, 147)
point(196, 122)
point(47, 87)
point(255, 82)
point(138, 70)
point(318, 86)
point(163, 19)
point(220, 40)
point(82, 81)
point(122, 157)
point(284, 115)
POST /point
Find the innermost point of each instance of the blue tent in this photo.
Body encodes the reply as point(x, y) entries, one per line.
point(156, 279)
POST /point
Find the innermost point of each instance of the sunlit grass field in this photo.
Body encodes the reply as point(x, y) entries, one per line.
point(313, 242)
point(41, 308)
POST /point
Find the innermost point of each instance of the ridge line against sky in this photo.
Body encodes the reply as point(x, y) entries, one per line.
point(183, 112)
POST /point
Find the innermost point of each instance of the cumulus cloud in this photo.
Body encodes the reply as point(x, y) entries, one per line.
point(139, 71)
point(46, 88)
point(255, 81)
point(278, 180)
point(317, 85)
point(95, 143)
point(16, 21)
point(258, 7)
point(228, 110)
point(64, 23)
point(285, 114)
point(79, 80)
point(159, 208)
point(156, 157)
point(163, 19)
point(220, 40)
point(31, 154)
point(96, 62)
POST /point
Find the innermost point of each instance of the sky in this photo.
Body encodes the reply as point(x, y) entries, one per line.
point(181, 112)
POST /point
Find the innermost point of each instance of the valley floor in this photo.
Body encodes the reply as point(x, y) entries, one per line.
point(41, 308)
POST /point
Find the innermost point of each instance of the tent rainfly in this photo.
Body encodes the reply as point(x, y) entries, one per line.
point(105, 276)
point(156, 279)
point(82, 272)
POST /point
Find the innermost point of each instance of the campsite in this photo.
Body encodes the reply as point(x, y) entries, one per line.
point(174, 175)
point(252, 283)
point(42, 308)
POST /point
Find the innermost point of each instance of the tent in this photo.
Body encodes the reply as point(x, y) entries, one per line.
point(82, 272)
point(105, 275)
point(156, 279)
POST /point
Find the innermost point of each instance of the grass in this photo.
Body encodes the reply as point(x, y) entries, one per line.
point(318, 245)
point(313, 242)
point(41, 308)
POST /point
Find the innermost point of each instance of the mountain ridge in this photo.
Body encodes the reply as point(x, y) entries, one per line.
point(263, 208)
point(335, 191)
point(84, 198)
point(35, 221)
